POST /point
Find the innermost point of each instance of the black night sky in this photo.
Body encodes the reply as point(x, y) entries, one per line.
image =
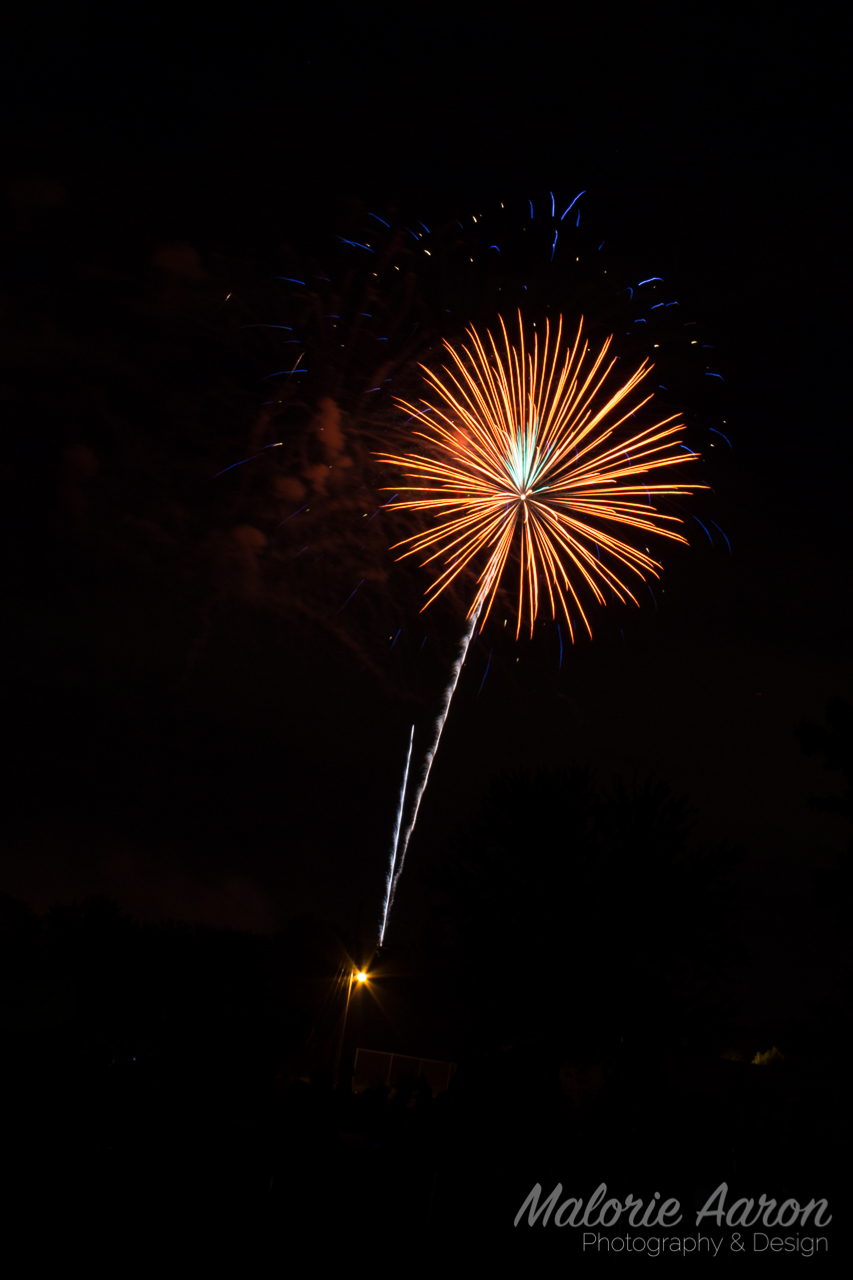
point(201, 726)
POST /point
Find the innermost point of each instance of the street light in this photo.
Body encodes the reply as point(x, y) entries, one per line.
point(360, 977)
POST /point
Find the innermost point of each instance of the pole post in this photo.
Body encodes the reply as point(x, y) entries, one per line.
point(343, 1032)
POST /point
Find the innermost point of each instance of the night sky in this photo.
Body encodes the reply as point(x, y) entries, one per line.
point(195, 735)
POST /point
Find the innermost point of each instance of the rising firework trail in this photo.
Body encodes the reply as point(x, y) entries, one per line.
point(393, 877)
point(534, 450)
point(389, 883)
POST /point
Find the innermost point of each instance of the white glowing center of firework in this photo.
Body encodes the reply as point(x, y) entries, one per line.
point(524, 460)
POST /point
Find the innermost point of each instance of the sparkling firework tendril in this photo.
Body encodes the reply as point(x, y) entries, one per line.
point(534, 444)
point(531, 442)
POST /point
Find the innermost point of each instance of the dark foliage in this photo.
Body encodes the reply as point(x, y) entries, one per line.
point(583, 912)
point(834, 743)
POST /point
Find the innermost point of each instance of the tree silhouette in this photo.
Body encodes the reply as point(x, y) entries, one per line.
point(834, 742)
point(571, 911)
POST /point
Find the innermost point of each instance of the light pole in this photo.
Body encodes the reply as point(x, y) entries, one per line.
point(359, 977)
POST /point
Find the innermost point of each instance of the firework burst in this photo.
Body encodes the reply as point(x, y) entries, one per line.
point(537, 448)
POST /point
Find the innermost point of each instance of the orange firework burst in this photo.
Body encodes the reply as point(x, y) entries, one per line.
point(534, 445)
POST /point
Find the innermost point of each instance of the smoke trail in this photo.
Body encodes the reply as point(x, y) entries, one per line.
point(389, 883)
point(430, 755)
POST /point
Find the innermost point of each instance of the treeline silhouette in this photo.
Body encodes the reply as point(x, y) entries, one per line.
point(582, 913)
point(578, 941)
point(834, 743)
point(141, 1050)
